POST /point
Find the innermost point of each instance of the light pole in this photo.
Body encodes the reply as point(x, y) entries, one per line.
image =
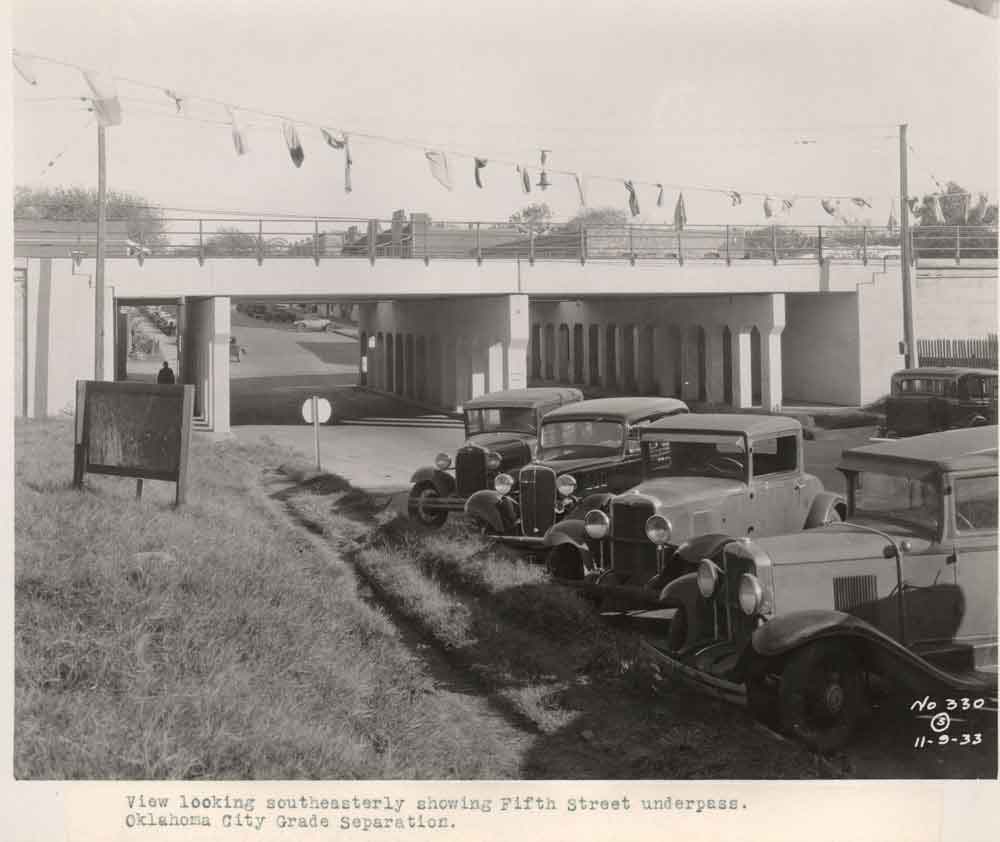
point(99, 256)
point(909, 340)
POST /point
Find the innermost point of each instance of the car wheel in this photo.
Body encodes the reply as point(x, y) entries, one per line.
point(564, 562)
point(419, 495)
point(822, 695)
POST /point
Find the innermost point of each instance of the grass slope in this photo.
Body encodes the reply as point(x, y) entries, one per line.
point(212, 641)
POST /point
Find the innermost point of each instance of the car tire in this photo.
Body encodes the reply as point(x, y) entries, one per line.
point(418, 494)
point(822, 695)
point(564, 562)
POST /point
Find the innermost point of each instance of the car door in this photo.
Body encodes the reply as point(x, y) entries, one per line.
point(973, 554)
point(776, 501)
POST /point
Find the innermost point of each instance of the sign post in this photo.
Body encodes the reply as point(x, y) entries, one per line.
point(316, 411)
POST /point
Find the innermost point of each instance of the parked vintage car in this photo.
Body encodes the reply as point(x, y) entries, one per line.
point(930, 399)
point(311, 323)
point(905, 589)
point(586, 448)
point(705, 477)
point(501, 432)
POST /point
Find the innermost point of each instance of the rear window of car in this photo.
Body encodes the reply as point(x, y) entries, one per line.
point(975, 503)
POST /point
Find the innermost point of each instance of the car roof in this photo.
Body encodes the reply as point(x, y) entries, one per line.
point(624, 409)
point(728, 422)
point(951, 450)
point(524, 397)
point(942, 371)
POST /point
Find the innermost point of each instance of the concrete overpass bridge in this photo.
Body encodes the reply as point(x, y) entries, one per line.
point(737, 315)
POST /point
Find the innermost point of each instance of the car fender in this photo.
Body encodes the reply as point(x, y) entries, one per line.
point(494, 509)
point(878, 651)
point(599, 500)
point(824, 506)
point(443, 482)
point(702, 546)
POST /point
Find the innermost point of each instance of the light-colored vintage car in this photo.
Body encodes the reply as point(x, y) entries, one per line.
point(706, 477)
point(312, 323)
point(501, 435)
point(905, 590)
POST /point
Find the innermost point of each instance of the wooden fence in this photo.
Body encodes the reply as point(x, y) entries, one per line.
point(976, 353)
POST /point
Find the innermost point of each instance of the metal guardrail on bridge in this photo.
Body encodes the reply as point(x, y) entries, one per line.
point(421, 239)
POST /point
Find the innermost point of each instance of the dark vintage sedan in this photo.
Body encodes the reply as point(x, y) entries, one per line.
point(799, 626)
point(706, 477)
point(501, 434)
point(588, 447)
point(931, 399)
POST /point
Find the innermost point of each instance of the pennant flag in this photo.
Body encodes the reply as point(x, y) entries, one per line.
point(913, 205)
point(787, 205)
point(936, 211)
point(479, 163)
point(680, 215)
point(106, 105)
point(893, 224)
point(174, 97)
point(979, 211)
point(348, 160)
point(633, 201)
point(335, 142)
point(860, 202)
point(659, 196)
point(525, 178)
point(438, 163)
point(293, 142)
point(830, 206)
point(579, 189)
point(239, 136)
point(768, 207)
point(735, 198)
point(25, 66)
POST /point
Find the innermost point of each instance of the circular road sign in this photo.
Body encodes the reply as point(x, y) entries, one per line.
point(323, 410)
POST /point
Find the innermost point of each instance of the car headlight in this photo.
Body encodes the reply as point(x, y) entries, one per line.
point(596, 524)
point(442, 461)
point(566, 485)
point(493, 460)
point(751, 594)
point(658, 530)
point(503, 483)
point(708, 577)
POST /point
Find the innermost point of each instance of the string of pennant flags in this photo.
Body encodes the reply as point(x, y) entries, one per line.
point(106, 106)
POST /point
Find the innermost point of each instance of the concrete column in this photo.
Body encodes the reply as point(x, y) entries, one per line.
point(770, 352)
point(448, 373)
point(602, 355)
point(219, 365)
point(495, 379)
point(689, 363)
point(571, 363)
point(518, 331)
point(620, 331)
point(715, 386)
point(742, 373)
point(480, 368)
point(463, 371)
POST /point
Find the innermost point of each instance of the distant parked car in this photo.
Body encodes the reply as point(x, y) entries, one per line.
point(312, 323)
point(501, 435)
point(584, 448)
point(904, 589)
point(705, 478)
point(931, 399)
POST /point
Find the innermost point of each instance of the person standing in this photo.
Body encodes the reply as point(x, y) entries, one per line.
point(165, 374)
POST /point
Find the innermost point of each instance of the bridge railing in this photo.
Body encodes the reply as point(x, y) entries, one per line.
point(419, 238)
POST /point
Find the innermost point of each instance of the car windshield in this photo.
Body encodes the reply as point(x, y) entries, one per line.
point(911, 500)
point(518, 419)
point(693, 455)
point(581, 439)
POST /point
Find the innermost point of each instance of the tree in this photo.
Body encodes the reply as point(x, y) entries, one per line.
point(145, 222)
point(958, 207)
point(538, 215)
point(597, 216)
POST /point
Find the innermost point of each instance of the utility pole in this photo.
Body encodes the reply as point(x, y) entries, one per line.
point(99, 270)
point(909, 340)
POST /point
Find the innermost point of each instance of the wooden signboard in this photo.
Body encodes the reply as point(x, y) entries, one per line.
point(140, 430)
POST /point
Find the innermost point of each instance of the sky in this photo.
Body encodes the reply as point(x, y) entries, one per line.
point(785, 97)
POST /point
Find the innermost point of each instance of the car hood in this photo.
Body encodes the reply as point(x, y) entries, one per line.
point(838, 542)
point(675, 492)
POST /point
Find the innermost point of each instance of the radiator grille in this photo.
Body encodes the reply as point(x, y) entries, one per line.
point(628, 519)
point(470, 470)
point(856, 595)
point(537, 498)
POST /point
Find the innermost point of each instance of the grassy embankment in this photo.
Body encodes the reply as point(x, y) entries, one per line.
point(213, 641)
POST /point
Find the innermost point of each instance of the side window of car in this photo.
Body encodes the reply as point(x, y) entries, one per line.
point(976, 503)
point(777, 455)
